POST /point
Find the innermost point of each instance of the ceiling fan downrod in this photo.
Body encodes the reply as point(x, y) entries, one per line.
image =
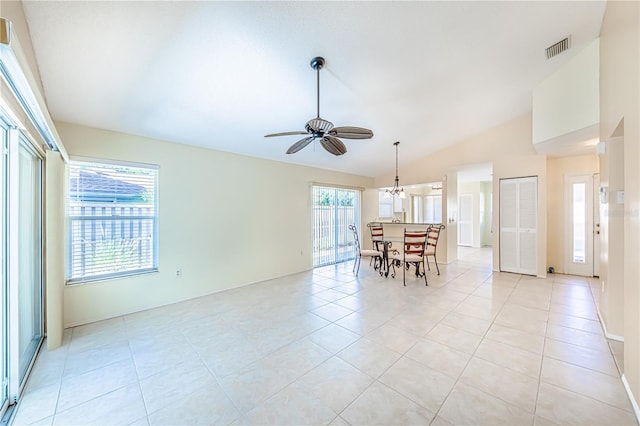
point(317, 63)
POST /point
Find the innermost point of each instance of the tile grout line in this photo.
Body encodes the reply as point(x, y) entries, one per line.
point(469, 361)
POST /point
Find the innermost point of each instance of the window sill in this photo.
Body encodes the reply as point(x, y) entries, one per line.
point(110, 277)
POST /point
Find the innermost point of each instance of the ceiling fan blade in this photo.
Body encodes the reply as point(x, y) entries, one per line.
point(350, 132)
point(300, 132)
point(299, 145)
point(333, 145)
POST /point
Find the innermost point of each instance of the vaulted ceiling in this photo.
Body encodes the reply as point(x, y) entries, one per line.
point(223, 74)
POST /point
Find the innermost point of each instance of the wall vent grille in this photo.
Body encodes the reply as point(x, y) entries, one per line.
point(558, 48)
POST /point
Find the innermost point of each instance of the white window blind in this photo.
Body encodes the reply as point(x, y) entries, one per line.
point(433, 208)
point(112, 211)
point(385, 205)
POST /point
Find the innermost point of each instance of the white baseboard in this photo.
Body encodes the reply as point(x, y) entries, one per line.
point(627, 388)
point(604, 328)
point(634, 403)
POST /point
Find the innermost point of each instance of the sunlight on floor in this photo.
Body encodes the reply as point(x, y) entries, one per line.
point(327, 347)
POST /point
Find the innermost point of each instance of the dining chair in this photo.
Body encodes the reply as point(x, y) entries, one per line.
point(414, 244)
point(374, 255)
point(433, 234)
point(377, 234)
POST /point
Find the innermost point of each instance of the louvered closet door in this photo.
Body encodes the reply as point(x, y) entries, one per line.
point(518, 225)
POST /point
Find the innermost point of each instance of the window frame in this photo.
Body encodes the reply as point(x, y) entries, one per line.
point(106, 163)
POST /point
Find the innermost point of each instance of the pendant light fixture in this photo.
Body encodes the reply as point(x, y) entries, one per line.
point(396, 190)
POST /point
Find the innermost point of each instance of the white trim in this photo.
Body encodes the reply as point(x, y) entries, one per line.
point(10, 119)
point(615, 337)
point(604, 328)
point(634, 403)
point(4, 309)
point(13, 266)
point(112, 162)
point(337, 185)
point(15, 71)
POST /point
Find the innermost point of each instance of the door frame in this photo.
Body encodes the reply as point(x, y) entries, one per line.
point(596, 224)
point(339, 232)
point(19, 367)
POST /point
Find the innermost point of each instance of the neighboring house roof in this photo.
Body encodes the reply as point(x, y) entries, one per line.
point(97, 187)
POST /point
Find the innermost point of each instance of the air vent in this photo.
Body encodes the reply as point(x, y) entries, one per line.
point(558, 48)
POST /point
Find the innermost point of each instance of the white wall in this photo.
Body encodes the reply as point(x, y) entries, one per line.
point(620, 118)
point(54, 247)
point(226, 220)
point(613, 234)
point(450, 217)
point(568, 100)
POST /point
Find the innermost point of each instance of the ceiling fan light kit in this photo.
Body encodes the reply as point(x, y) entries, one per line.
point(319, 128)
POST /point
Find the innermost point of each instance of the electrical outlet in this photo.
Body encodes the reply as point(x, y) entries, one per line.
point(179, 272)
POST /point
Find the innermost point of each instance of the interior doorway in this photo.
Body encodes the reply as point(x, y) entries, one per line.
point(474, 215)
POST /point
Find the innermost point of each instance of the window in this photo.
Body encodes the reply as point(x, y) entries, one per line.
point(579, 209)
point(385, 205)
point(417, 208)
point(433, 208)
point(113, 220)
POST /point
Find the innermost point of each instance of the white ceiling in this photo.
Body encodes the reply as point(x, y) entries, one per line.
point(223, 74)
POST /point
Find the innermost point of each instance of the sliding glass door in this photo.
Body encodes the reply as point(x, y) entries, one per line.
point(21, 247)
point(29, 272)
point(334, 209)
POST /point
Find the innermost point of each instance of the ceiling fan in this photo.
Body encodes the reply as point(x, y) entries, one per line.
point(319, 128)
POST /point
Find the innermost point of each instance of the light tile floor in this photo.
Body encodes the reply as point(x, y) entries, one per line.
point(326, 347)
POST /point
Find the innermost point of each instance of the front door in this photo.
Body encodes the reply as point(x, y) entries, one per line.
point(579, 227)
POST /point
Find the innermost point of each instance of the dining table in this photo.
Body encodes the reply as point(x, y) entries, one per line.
point(386, 244)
